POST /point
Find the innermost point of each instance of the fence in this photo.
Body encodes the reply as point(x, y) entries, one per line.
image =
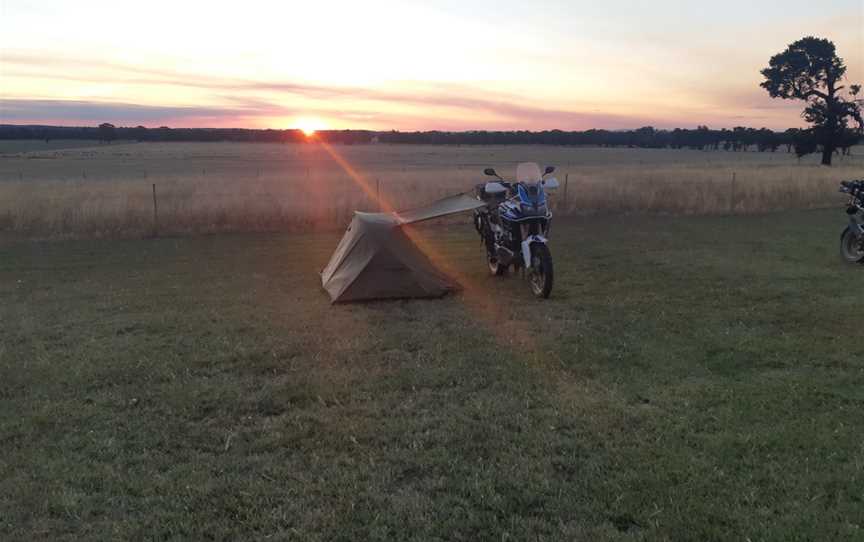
point(258, 201)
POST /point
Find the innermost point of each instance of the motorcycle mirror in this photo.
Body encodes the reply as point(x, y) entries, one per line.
point(489, 171)
point(549, 169)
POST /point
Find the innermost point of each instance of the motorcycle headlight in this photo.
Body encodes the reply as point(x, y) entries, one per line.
point(530, 209)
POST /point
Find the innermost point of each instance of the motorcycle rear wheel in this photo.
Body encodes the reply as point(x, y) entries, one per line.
point(541, 274)
point(851, 247)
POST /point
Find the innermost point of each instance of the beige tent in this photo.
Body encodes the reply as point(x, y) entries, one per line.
point(376, 259)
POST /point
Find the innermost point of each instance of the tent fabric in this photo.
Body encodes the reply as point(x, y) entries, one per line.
point(446, 206)
point(377, 260)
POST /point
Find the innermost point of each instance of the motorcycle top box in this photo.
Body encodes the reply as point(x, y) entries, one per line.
point(488, 197)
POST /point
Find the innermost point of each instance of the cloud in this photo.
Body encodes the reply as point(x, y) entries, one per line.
point(18, 110)
point(259, 112)
point(405, 106)
point(506, 110)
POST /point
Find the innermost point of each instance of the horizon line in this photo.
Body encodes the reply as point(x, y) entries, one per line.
point(390, 130)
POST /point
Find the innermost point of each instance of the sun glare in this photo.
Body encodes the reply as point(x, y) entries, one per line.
point(309, 126)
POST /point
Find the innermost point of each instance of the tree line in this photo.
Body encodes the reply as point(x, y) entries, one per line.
point(700, 138)
point(106, 133)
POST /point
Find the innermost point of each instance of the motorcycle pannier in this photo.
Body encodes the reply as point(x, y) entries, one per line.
point(487, 197)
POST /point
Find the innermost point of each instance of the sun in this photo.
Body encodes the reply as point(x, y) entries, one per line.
point(309, 125)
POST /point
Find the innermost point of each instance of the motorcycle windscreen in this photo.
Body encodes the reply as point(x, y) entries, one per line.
point(528, 172)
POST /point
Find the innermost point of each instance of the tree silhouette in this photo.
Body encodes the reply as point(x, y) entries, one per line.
point(702, 138)
point(140, 133)
point(810, 70)
point(107, 132)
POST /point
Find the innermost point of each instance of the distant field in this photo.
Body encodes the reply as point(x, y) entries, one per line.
point(38, 145)
point(106, 190)
point(691, 378)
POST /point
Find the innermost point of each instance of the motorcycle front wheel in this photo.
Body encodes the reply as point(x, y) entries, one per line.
point(495, 267)
point(541, 274)
point(851, 247)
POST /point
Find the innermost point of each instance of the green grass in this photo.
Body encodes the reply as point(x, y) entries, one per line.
point(690, 379)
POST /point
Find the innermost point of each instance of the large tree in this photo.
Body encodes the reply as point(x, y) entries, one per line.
point(810, 70)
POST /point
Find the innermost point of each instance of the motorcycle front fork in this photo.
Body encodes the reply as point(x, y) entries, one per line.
point(856, 221)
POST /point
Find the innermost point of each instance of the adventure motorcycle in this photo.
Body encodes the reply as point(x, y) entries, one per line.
point(514, 224)
point(852, 239)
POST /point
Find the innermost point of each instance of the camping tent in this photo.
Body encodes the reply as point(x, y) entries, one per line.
point(377, 260)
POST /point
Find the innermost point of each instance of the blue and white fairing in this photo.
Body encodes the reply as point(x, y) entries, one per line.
point(529, 207)
point(520, 221)
point(530, 204)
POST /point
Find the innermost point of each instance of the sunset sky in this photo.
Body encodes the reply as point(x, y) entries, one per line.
point(408, 65)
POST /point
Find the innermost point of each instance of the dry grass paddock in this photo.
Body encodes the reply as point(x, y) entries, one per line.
point(68, 189)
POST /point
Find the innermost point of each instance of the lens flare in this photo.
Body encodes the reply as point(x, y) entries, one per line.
point(478, 299)
point(309, 125)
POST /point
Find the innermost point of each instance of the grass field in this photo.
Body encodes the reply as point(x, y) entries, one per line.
point(692, 378)
point(106, 190)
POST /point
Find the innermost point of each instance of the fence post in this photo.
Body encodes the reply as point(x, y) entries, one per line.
point(378, 193)
point(155, 214)
point(732, 194)
point(566, 182)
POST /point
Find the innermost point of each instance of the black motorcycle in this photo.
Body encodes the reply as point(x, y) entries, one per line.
point(852, 239)
point(514, 225)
